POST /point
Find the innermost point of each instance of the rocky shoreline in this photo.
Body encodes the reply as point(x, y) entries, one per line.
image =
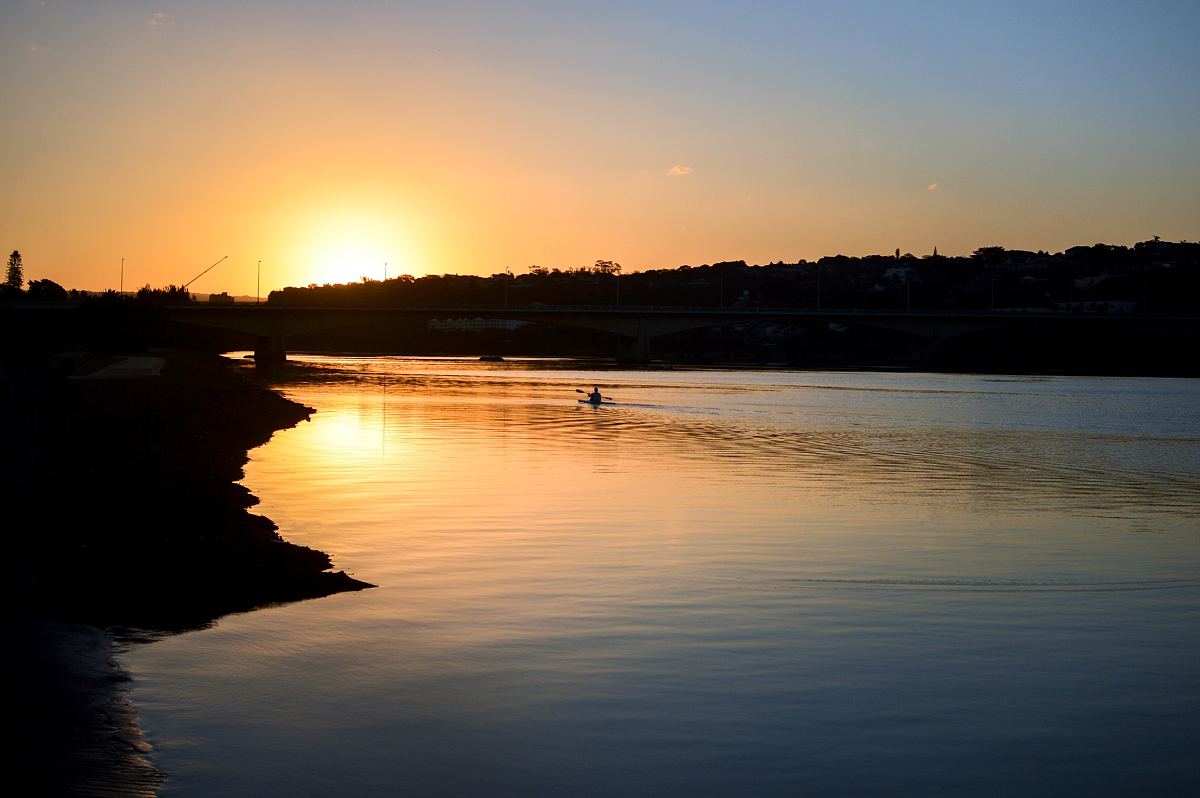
point(124, 514)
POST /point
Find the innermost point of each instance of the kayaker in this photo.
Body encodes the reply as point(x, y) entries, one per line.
point(594, 397)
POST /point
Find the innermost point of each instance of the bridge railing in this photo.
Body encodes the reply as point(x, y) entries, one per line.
point(544, 309)
point(624, 310)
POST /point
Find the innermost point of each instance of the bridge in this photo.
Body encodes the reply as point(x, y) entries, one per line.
point(272, 325)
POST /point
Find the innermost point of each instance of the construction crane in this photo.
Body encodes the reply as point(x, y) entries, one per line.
point(201, 274)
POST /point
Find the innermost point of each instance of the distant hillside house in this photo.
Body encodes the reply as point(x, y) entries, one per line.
point(473, 325)
point(1096, 307)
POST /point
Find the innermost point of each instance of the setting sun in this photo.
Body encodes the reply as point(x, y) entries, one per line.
point(347, 246)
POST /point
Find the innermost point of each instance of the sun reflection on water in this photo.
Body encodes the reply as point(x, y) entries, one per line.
point(733, 582)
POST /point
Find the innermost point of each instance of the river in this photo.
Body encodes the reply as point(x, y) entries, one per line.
point(728, 582)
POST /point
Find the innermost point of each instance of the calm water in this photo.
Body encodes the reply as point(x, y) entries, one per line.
point(731, 583)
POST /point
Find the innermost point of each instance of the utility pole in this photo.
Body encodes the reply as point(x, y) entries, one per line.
point(258, 283)
point(122, 291)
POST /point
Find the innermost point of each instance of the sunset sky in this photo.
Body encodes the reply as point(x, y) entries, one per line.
point(329, 138)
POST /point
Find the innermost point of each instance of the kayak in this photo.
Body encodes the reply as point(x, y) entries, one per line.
point(593, 397)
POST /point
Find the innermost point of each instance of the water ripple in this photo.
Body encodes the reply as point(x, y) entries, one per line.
point(1002, 585)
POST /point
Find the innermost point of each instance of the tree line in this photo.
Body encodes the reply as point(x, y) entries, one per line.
point(1151, 276)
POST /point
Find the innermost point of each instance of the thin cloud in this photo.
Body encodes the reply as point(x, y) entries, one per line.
point(678, 170)
point(933, 186)
point(161, 19)
point(35, 47)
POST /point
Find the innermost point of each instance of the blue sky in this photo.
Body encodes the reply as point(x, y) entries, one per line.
point(473, 137)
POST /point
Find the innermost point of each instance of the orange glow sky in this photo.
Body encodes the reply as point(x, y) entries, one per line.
point(468, 137)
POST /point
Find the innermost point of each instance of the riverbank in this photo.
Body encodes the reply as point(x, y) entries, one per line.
point(128, 491)
point(78, 730)
point(123, 514)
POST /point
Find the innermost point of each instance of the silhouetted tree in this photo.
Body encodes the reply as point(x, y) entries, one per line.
point(15, 277)
point(172, 293)
point(988, 256)
point(46, 291)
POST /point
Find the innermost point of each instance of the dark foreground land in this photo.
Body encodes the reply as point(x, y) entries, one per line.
point(122, 516)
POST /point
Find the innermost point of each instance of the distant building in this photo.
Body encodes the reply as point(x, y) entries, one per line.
point(473, 325)
point(1020, 260)
point(1104, 306)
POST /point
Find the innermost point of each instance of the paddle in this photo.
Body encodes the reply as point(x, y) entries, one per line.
point(589, 394)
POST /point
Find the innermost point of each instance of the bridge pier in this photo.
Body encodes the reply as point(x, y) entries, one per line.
point(269, 352)
point(926, 352)
point(635, 349)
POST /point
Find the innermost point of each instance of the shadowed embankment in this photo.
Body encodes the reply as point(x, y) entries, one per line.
point(121, 512)
point(130, 514)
